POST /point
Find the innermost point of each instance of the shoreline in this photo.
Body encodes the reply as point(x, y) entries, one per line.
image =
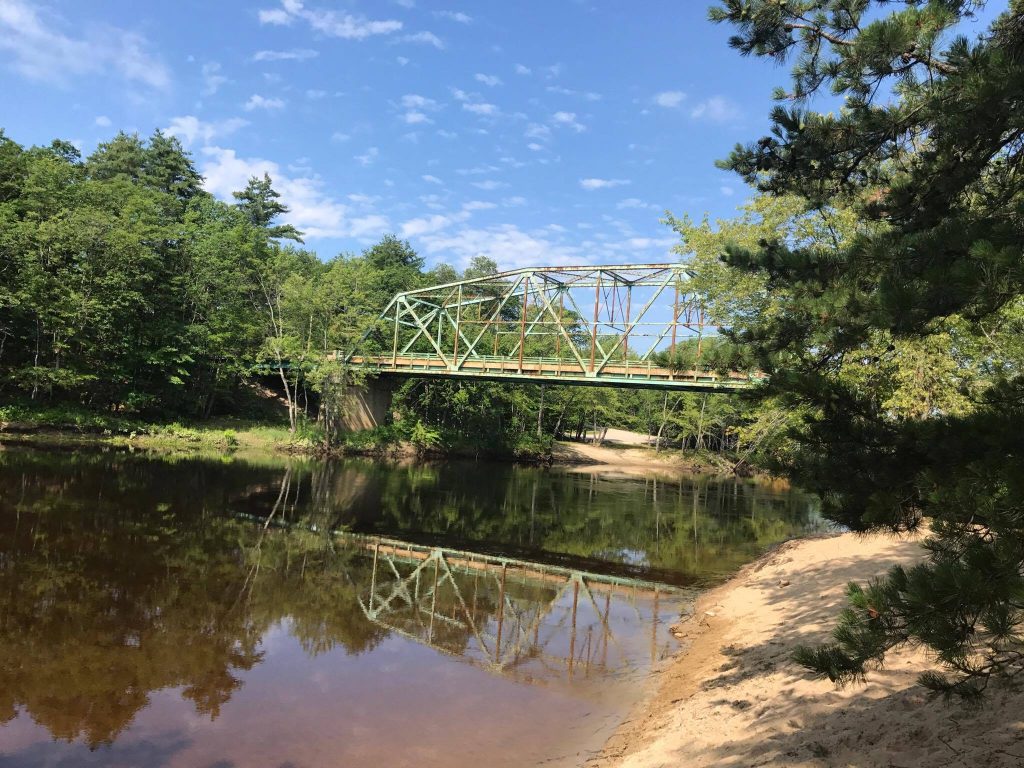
point(247, 438)
point(733, 697)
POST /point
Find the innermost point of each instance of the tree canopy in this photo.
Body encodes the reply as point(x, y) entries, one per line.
point(899, 339)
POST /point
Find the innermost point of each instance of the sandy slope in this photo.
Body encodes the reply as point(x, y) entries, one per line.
point(628, 452)
point(734, 698)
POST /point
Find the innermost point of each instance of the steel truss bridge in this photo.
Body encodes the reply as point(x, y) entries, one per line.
point(593, 326)
point(529, 621)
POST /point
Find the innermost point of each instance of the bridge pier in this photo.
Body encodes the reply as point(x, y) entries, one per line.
point(368, 405)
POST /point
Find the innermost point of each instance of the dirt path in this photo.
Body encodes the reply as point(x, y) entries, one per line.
point(735, 698)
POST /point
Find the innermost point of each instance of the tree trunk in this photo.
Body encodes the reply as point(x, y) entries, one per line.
point(700, 423)
point(540, 413)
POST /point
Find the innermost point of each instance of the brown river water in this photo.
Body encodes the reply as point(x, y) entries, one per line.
point(230, 613)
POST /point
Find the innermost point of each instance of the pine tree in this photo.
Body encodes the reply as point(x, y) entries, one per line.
point(259, 202)
point(926, 151)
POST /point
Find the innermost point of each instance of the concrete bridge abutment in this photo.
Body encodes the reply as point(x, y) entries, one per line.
point(368, 405)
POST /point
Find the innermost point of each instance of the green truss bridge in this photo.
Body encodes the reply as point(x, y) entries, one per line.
point(587, 326)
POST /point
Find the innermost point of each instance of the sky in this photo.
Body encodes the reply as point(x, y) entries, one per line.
point(532, 132)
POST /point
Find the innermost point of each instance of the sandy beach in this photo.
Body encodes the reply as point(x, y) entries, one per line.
point(733, 697)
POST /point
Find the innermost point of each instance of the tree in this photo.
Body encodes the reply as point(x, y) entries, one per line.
point(394, 267)
point(926, 152)
point(259, 202)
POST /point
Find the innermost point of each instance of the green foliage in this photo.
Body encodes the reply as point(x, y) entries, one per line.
point(423, 438)
point(896, 335)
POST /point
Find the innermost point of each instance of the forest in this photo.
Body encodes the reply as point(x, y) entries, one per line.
point(128, 292)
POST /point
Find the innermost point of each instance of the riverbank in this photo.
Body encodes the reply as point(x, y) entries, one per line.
point(733, 697)
point(621, 451)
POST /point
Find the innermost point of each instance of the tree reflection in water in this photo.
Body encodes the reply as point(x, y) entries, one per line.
point(122, 575)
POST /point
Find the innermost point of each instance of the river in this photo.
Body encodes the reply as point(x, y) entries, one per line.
point(167, 611)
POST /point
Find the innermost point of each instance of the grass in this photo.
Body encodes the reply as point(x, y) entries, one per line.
point(63, 424)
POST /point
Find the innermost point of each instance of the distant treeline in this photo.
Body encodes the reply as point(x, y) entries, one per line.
point(127, 288)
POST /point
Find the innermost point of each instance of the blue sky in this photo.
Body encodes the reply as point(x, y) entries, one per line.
point(548, 132)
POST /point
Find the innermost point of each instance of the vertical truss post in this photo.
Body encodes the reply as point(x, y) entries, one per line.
point(458, 329)
point(501, 611)
point(572, 636)
point(625, 343)
point(700, 330)
point(654, 629)
point(373, 575)
point(522, 320)
point(675, 324)
point(433, 597)
point(394, 345)
point(558, 336)
point(593, 330)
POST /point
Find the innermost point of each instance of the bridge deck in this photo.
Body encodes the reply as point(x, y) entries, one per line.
point(626, 373)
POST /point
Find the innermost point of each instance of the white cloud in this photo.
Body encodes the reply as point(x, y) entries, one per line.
point(262, 102)
point(102, 121)
point(535, 146)
point(491, 80)
point(514, 201)
point(717, 109)
point(415, 107)
point(489, 184)
point(412, 117)
point(669, 99)
point(478, 205)
point(313, 211)
point(368, 226)
point(481, 109)
point(477, 170)
point(191, 129)
point(212, 78)
point(431, 179)
point(727, 191)
point(415, 101)
point(340, 137)
point(41, 52)
point(636, 203)
point(506, 244)
point(458, 16)
point(276, 16)
point(427, 38)
point(561, 91)
point(296, 54)
point(523, 70)
point(402, 61)
point(537, 131)
point(343, 25)
point(368, 157)
point(568, 119)
point(428, 224)
point(315, 93)
point(592, 184)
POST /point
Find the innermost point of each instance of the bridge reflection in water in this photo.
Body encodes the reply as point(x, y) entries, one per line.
point(529, 621)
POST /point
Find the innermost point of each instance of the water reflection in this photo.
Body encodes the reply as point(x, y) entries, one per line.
point(524, 620)
point(131, 587)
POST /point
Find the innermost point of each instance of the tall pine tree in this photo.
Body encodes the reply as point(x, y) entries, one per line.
point(926, 150)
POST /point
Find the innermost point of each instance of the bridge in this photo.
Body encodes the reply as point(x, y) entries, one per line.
point(619, 326)
point(640, 326)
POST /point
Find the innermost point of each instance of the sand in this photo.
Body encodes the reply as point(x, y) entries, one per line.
point(627, 453)
point(733, 697)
